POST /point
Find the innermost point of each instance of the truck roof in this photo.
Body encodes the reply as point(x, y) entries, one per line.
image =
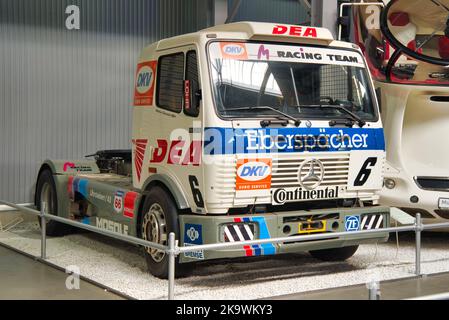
point(261, 31)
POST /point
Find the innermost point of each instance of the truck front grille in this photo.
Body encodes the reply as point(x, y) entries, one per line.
point(285, 170)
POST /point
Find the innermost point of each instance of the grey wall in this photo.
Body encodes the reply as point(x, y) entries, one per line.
point(68, 93)
point(65, 94)
point(281, 11)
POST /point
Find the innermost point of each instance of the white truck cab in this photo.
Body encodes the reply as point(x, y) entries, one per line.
point(241, 131)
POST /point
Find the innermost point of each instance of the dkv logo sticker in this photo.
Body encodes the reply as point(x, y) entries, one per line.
point(144, 85)
point(253, 174)
point(231, 50)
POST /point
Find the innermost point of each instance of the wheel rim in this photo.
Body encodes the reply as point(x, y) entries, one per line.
point(47, 198)
point(155, 230)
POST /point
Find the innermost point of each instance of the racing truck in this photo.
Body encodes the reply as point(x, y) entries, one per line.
point(242, 131)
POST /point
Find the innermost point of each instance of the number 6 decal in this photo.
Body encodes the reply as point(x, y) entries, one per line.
point(365, 172)
point(197, 196)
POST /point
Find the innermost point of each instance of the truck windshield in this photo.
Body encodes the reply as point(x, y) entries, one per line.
point(289, 78)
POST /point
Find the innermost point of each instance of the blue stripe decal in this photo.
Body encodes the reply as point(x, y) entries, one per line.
point(82, 186)
point(219, 141)
point(246, 220)
point(268, 248)
point(75, 184)
point(257, 250)
point(85, 220)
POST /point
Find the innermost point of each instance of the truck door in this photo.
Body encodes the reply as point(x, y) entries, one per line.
point(179, 125)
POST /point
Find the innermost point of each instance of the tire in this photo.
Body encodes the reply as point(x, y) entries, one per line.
point(336, 254)
point(159, 218)
point(46, 191)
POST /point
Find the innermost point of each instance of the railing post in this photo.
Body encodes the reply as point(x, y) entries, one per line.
point(171, 265)
point(418, 229)
point(373, 291)
point(43, 231)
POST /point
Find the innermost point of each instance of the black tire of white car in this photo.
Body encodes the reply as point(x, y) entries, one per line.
point(335, 254)
point(162, 200)
point(46, 183)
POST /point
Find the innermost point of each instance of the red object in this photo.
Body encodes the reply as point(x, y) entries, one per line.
point(248, 251)
point(297, 31)
point(130, 198)
point(70, 187)
point(144, 86)
point(141, 145)
point(443, 47)
point(187, 94)
point(399, 19)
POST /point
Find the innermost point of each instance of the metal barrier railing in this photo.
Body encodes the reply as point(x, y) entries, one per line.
point(173, 250)
point(441, 296)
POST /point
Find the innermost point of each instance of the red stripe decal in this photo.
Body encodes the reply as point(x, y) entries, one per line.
point(248, 250)
point(70, 186)
point(130, 198)
point(237, 219)
point(139, 155)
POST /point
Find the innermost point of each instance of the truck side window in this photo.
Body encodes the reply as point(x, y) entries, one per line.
point(192, 107)
point(170, 82)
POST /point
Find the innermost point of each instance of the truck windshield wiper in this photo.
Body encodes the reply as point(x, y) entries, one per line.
point(296, 122)
point(353, 116)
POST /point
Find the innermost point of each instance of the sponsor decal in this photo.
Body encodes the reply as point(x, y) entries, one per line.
point(291, 140)
point(296, 31)
point(193, 235)
point(187, 94)
point(263, 53)
point(282, 196)
point(144, 83)
point(118, 201)
point(352, 223)
point(173, 154)
point(111, 225)
point(140, 146)
point(72, 166)
point(317, 56)
point(293, 54)
point(300, 55)
point(130, 200)
point(253, 174)
point(231, 50)
point(100, 196)
point(68, 165)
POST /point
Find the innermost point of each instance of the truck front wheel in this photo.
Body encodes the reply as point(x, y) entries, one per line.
point(46, 192)
point(159, 218)
point(336, 254)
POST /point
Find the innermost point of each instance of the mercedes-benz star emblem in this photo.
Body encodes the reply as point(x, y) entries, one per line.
point(311, 174)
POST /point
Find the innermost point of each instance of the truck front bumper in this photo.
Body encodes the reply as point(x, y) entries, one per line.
point(197, 230)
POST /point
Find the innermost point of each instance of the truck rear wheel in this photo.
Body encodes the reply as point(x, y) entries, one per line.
point(46, 192)
point(336, 254)
point(159, 218)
